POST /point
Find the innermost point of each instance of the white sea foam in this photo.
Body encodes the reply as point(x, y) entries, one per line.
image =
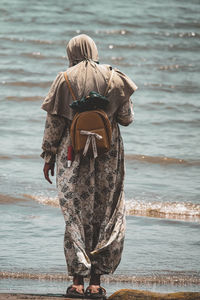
point(157, 209)
point(52, 201)
point(174, 210)
point(182, 278)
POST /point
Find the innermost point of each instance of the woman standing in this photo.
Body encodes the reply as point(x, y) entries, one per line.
point(91, 191)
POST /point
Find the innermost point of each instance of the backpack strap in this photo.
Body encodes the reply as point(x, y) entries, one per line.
point(71, 91)
point(109, 82)
point(69, 86)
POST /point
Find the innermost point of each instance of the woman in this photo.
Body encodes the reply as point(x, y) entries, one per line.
point(91, 190)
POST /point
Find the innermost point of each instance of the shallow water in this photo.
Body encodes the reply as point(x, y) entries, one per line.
point(157, 45)
point(161, 254)
point(59, 287)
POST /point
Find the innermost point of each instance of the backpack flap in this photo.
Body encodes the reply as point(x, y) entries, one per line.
point(91, 132)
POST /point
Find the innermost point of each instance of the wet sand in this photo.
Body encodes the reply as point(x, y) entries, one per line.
point(11, 296)
point(6, 199)
point(124, 294)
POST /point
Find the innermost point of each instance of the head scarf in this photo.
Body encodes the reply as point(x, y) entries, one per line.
point(80, 48)
point(85, 75)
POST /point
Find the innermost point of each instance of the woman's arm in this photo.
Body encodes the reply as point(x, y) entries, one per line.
point(125, 114)
point(54, 129)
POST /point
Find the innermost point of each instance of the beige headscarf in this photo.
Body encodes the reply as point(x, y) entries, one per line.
point(86, 75)
point(80, 48)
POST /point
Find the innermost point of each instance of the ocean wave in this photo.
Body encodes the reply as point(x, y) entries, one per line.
point(186, 89)
point(176, 107)
point(25, 40)
point(154, 47)
point(52, 201)
point(36, 55)
point(175, 104)
point(189, 26)
point(189, 67)
point(21, 71)
point(31, 84)
point(17, 98)
point(39, 55)
point(20, 156)
point(170, 210)
point(175, 121)
point(113, 32)
point(176, 67)
point(176, 278)
point(162, 160)
point(178, 34)
point(5, 157)
point(5, 199)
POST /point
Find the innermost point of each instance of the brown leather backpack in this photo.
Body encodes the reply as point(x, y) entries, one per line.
point(90, 131)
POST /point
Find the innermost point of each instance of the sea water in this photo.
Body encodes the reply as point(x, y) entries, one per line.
point(156, 44)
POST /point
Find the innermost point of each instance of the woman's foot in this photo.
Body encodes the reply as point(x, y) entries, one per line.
point(93, 288)
point(75, 291)
point(95, 292)
point(78, 287)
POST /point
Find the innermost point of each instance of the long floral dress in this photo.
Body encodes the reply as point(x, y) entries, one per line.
point(91, 195)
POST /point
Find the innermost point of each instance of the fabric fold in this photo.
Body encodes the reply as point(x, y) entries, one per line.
point(59, 97)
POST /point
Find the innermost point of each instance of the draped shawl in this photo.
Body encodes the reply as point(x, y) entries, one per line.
point(85, 74)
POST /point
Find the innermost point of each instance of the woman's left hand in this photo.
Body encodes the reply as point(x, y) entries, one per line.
point(48, 167)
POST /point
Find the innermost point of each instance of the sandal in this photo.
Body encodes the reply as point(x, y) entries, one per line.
point(73, 293)
point(100, 295)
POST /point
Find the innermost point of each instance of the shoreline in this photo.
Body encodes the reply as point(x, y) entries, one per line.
point(169, 278)
point(123, 294)
point(11, 286)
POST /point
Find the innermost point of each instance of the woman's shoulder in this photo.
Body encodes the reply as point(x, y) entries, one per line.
point(59, 79)
point(104, 68)
point(122, 80)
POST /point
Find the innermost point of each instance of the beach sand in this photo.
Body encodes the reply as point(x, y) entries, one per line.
point(124, 294)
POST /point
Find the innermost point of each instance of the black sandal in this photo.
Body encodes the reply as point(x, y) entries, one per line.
point(100, 295)
point(73, 293)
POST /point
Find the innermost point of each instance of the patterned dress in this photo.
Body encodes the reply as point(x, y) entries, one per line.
point(91, 195)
